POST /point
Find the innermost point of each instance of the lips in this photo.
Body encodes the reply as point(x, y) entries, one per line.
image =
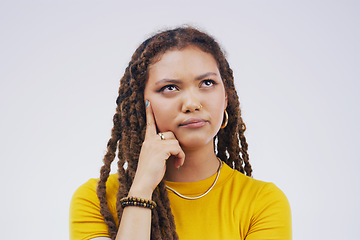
point(193, 123)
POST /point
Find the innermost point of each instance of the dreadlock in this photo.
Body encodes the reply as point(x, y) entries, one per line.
point(128, 131)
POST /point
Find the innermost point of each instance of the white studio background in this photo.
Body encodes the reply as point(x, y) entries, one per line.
point(296, 65)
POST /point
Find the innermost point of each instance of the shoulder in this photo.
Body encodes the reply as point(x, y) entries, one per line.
point(245, 185)
point(272, 203)
point(85, 219)
point(258, 195)
point(262, 208)
point(88, 189)
point(262, 193)
point(86, 199)
point(255, 187)
point(269, 210)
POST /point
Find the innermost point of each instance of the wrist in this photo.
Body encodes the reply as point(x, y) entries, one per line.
point(140, 191)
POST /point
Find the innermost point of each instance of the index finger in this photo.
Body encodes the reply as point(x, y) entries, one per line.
point(150, 121)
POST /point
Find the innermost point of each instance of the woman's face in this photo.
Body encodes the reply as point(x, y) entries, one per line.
point(187, 96)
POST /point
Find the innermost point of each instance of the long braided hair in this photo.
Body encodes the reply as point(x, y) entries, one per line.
point(129, 127)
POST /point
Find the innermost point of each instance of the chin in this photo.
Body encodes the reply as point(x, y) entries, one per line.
point(195, 143)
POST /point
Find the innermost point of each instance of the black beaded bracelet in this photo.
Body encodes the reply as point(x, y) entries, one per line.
point(138, 202)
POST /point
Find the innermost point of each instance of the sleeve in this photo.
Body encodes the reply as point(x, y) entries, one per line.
point(85, 219)
point(272, 216)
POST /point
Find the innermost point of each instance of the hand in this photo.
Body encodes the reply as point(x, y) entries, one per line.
point(153, 156)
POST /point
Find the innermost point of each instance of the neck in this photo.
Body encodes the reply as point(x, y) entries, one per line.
point(199, 164)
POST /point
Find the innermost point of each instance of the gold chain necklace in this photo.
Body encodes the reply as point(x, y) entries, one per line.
point(202, 195)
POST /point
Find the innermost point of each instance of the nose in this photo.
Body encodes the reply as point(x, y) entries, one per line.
point(191, 102)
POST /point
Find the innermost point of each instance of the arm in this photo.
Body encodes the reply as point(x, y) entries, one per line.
point(86, 221)
point(135, 222)
point(272, 216)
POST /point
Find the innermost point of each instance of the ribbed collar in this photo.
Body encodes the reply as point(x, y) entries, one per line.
point(199, 187)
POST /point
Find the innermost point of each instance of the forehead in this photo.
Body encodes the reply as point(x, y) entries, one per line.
point(189, 60)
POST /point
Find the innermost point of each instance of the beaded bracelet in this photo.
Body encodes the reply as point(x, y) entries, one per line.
point(136, 201)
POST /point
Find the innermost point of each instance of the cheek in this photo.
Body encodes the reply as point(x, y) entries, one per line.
point(218, 114)
point(162, 115)
point(217, 109)
point(158, 108)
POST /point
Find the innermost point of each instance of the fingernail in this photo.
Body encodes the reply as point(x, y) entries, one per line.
point(147, 103)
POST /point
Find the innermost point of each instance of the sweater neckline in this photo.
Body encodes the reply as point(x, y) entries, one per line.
point(199, 187)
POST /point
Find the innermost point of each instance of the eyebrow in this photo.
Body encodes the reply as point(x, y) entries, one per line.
point(209, 74)
point(202, 76)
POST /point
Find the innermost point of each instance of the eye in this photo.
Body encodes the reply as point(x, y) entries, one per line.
point(168, 88)
point(208, 83)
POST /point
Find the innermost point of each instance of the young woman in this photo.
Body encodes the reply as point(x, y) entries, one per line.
point(183, 159)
